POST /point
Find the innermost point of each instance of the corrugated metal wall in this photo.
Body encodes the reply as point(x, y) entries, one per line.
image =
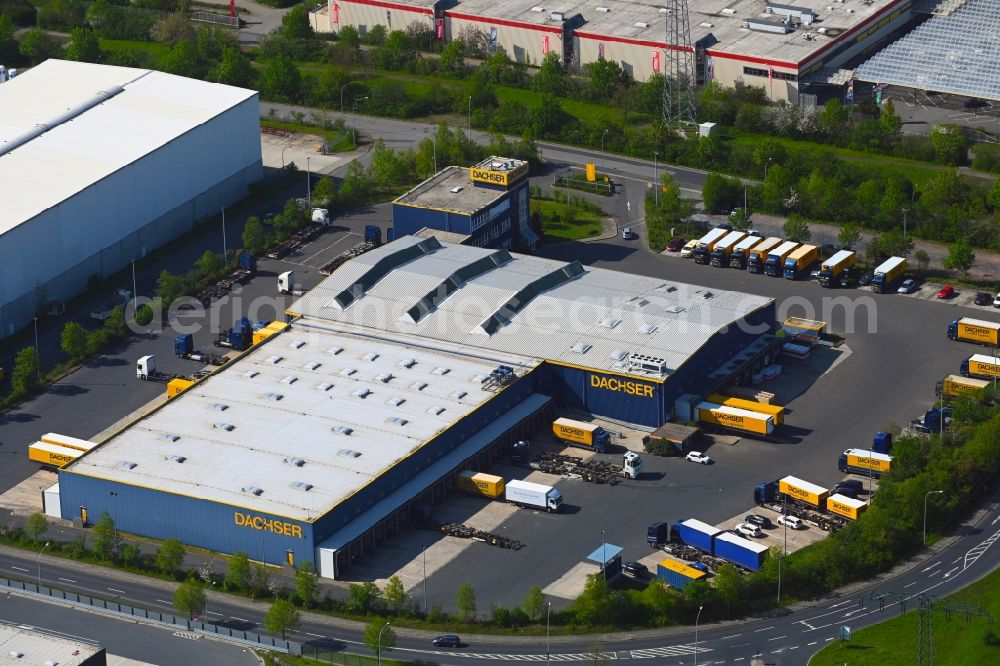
point(605, 394)
point(409, 220)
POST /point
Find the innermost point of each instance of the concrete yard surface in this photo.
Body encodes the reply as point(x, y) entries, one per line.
point(25, 498)
point(300, 149)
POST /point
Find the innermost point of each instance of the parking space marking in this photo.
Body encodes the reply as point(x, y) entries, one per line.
point(346, 236)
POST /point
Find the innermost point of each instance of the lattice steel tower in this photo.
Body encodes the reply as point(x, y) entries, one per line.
point(679, 72)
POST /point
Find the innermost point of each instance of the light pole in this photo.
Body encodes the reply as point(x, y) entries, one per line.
point(656, 179)
point(283, 157)
point(38, 356)
point(905, 211)
point(379, 643)
point(354, 130)
point(223, 234)
point(602, 147)
point(309, 197)
point(114, 508)
point(422, 546)
point(604, 558)
point(548, 611)
point(470, 117)
point(342, 95)
point(135, 290)
point(765, 166)
point(47, 544)
point(696, 619)
point(929, 493)
point(784, 549)
point(206, 601)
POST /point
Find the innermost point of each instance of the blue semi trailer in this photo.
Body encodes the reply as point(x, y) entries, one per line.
point(741, 552)
point(694, 533)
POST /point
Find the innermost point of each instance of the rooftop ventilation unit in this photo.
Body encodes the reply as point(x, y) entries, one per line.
point(408, 362)
point(174, 458)
point(666, 288)
point(618, 355)
point(348, 453)
point(648, 363)
point(218, 406)
point(311, 365)
point(458, 395)
point(728, 11)
point(705, 24)
point(456, 189)
point(250, 374)
point(362, 392)
point(395, 401)
point(435, 410)
point(610, 322)
point(290, 379)
point(301, 485)
point(480, 378)
point(298, 462)
point(334, 350)
point(273, 396)
point(385, 377)
point(371, 356)
point(295, 344)
point(637, 301)
point(647, 329)
point(324, 386)
point(127, 464)
point(253, 490)
point(640, 24)
point(274, 360)
point(707, 295)
point(170, 437)
point(557, 16)
point(604, 10)
point(397, 421)
point(347, 372)
point(342, 429)
point(538, 8)
point(441, 371)
point(581, 347)
point(228, 427)
point(674, 309)
point(419, 386)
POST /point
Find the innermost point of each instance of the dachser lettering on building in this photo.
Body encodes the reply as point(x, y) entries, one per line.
point(268, 525)
point(623, 386)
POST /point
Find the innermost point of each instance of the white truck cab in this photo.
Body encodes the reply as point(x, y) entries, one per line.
point(145, 367)
point(631, 465)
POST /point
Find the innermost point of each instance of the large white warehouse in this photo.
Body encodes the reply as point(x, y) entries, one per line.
point(100, 165)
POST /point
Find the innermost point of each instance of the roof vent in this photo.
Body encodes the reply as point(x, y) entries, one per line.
point(396, 420)
point(538, 8)
point(324, 386)
point(274, 360)
point(648, 363)
point(15, 654)
point(705, 24)
point(347, 372)
point(640, 24)
point(218, 406)
point(363, 392)
point(295, 344)
point(456, 189)
point(647, 329)
point(311, 365)
point(707, 295)
point(348, 453)
point(301, 485)
point(253, 490)
point(458, 395)
point(435, 410)
point(170, 437)
point(610, 322)
point(176, 459)
point(298, 462)
point(127, 464)
point(581, 347)
point(441, 371)
point(273, 396)
point(408, 362)
point(480, 378)
point(384, 377)
point(395, 401)
point(250, 374)
point(419, 386)
point(342, 429)
point(557, 16)
point(290, 379)
point(618, 355)
point(228, 427)
point(371, 356)
point(334, 350)
point(729, 11)
point(604, 10)
point(674, 309)
point(666, 287)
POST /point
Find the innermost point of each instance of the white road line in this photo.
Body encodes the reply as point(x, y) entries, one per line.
point(162, 601)
point(933, 573)
point(813, 643)
point(794, 647)
point(314, 635)
point(951, 572)
point(757, 631)
point(336, 242)
point(68, 580)
point(777, 638)
point(738, 659)
point(118, 591)
point(842, 603)
point(726, 638)
point(938, 563)
point(827, 640)
point(18, 568)
point(238, 619)
point(214, 613)
point(957, 559)
point(909, 584)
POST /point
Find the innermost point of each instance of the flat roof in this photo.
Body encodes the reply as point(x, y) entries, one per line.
point(291, 412)
point(438, 192)
point(44, 647)
point(849, 501)
point(978, 322)
point(696, 524)
point(605, 553)
point(804, 485)
point(476, 298)
point(740, 541)
point(443, 236)
point(100, 118)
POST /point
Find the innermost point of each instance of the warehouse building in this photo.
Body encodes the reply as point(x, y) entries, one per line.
point(412, 362)
point(28, 645)
point(782, 48)
point(101, 165)
point(488, 203)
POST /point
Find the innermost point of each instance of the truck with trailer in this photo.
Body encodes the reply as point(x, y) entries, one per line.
point(833, 269)
point(658, 534)
point(954, 386)
point(480, 484)
point(979, 331)
point(706, 244)
point(724, 248)
point(980, 366)
point(184, 348)
point(676, 574)
point(758, 254)
point(792, 489)
point(740, 551)
point(847, 507)
point(534, 495)
point(581, 434)
point(800, 261)
point(52, 455)
point(775, 263)
point(733, 418)
point(776, 412)
point(887, 274)
point(694, 533)
point(864, 462)
point(145, 369)
point(741, 251)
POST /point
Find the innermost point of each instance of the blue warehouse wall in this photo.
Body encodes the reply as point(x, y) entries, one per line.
point(605, 394)
point(161, 515)
point(408, 220)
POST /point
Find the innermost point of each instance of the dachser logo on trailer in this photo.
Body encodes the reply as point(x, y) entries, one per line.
point(626, 387)
point(798, 492)
point(978, 331)
point(266, 524)
point(735, 419)
point(837, 507)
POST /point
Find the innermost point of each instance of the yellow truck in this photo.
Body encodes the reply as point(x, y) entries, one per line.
point(979, 331)
point(724, 248)
point(774, 265)
point(800, 261)
point(887, 273)
point(478, 483)
point(954, 386)
point(833, 270)
point(981, 366)
point(52, 455)
point(706, 244)
point(741, 251)
point(863, 461)
point(759, 252)
point(582, 434)
point(776, 412)
point(803, 491)
point(735, 419)
point(845, 506)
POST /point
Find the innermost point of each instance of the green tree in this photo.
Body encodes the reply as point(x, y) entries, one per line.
point(105, 536)
point(768, 153)
point(993, 198)
point(394, 594)
point(306, 583)
point(239, 575)
point(465, 601)
point(551, 76)
point(176, 28)
point(950, 144)
point(73, 340)
point(379, 636)
point(452, 60)
point(889, 122)
point(386, 166)
point(729, 584)
point(362, 597)
point(208, 264)
point(259, 581)
point(8, 40)
point(282, 617)
point(37, 525)
point(280, 80)
point(849, 235)
point(741, 219)
point(83, 46)
point(715, 193)
point(605, 78)
point(183, 59)
point(834, 118)
point(190, 599)
point(254, 236)
point(534, 604)
point(960, 257)
point(923, 259)
point(670, 210)
point(796, 229)
point(234, 69)
point(38, 46)
point(170, 557)
point(295, 23)
point(24, 377)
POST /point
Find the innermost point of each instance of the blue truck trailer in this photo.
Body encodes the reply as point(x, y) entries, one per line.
point(741, 552)
point(694, 533)
point(676, 574)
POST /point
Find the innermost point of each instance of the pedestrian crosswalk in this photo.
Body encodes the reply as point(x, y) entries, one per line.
point(670, 651)
point(190, 635)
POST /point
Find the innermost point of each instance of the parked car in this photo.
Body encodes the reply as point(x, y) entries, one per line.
point(854, 484)
point(748, 530)
point(636, 569)
point(448, 640)
point(845, 491)
point(676, 244)
point(689, 247)
point(792, 521)
point(760, 521)
point(975, 103)
point(699, 457)
point(628, 234)
point(983, 298)
point(996, 301)
point(814, 275)
point(865, 279)
point(908, 287)
point(946, 291)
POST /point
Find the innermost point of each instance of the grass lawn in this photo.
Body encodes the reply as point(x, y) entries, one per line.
point(581, 223)
point(155, 49)
point(894, 643)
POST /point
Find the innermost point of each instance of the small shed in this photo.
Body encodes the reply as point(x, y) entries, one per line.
point(609, 558)
point(671, 439)
point(707, 129)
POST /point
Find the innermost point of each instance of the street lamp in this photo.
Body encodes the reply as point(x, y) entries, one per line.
point(602, 147)
point(379, 643)
point(470, 117)
point(47, 544)
point(548, 611)
point(114, 505)
point(765, 166)
point(354, 130)
point(656, 179)
point(283, 157)
point(604, 558)
point(784, 549)
point(342, 95)
point(905, 211)
point(135, 290)
point(425, 577)
point(223, 234)
point(309, 197)
point(696, 619)
point(929, 493)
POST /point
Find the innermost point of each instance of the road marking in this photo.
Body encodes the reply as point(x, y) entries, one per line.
point(314, 635)
point(909, 584)
point(190, 635)
point(951, 572)
point(18, 568)
point(827, 640)
point(336, 242)
point(214, 613)
point(725, 638)
point(162, 601)
point(842, 603)
point(813, 643)
point(957, 559)
point(794, 647)
point(68, 580)
point(238, 619)
point(777, 638)
point(995, 520)
point(118, 591)
point(933, 573)
point(757, 631)
point(738, 659)
point(938, 563)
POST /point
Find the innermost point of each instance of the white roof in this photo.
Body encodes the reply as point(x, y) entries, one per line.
point(297, 396)
point(696, 524)
point(735, 411)
point(983, 358)
point(838, 257)
point(747, 242)
point(542, 309)
point(88, 139)
point(849, 501)
point(784, 248)
point(890, 264)
point(731, 238)
point(42, 647)
point(805, 485)
point(978, 322)
point(712, 235)
point(969, 381)
point(740, 541)
point(865, 453)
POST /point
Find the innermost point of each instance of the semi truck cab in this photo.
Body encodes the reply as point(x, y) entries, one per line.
point(632, 465)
